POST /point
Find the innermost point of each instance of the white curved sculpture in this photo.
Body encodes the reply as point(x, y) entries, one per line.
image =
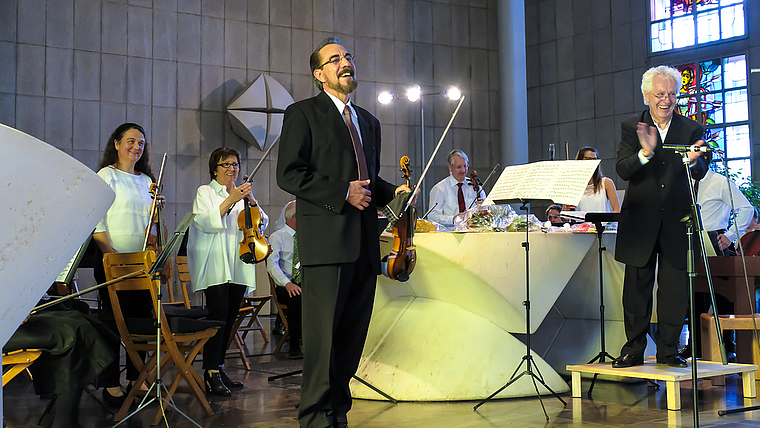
point(46, 216)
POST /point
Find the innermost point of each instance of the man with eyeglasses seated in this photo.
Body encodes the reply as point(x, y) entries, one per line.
point(651, 236)
point(454, 194)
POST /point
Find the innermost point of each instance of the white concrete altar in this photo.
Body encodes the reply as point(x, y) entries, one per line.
point(447, 333)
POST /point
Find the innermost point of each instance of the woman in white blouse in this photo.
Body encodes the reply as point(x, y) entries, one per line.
point(126, 168)
point(600, 194)
point(213, 257)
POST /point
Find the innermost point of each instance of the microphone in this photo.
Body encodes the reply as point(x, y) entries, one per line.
point(683, 149)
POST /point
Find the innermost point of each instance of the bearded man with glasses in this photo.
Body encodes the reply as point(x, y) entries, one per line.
point(329, 158)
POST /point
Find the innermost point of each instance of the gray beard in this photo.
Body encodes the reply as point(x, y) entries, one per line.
point(344, 89)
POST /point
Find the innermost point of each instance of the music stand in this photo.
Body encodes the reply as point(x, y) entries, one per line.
point(598, 218)
point(531, 369)
point(163, 258)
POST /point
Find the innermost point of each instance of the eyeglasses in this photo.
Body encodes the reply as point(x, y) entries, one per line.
point(589, 158)
point(662, 96)
point(335, 59)
point(226, 165)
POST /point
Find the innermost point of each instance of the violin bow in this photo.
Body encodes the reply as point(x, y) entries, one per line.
point(483, 184)
point(155, 207)
point(261, 161)
point(258, 165)
point(438, 146)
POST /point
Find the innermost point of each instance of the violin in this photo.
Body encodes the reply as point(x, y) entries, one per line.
point(403, 256)
point(254, 247)
point(156, 232)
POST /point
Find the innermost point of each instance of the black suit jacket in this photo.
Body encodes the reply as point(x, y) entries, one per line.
point(316, 162)
point(657, 194)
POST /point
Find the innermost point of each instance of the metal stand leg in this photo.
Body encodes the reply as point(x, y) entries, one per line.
point(530, 367)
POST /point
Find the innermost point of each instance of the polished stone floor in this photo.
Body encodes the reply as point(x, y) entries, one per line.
point(273, 405)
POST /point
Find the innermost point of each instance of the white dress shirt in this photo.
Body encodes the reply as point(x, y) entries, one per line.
point(126, 220)
point(213, 248)
point(280, 263)
point(444, 193)
point(713, 198)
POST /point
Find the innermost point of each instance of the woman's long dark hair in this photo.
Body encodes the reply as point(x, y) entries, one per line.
point(111, 156)
point(596, 179)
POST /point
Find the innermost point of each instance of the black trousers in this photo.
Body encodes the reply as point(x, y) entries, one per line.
point(223, 302)
point(672, 303)
point(337, 305)
point(134, 304)
point(293, 313)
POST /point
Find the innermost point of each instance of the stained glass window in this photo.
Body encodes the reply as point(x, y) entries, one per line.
point(682, 23)
point(714, 93)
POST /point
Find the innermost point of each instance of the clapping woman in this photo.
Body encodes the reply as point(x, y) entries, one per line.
point(213, 258)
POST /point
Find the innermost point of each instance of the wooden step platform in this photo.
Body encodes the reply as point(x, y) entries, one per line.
point(671, 375)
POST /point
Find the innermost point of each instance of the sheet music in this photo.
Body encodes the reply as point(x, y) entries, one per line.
point(562, 182)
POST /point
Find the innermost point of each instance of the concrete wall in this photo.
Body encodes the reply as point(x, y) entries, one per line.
point(587, 58)
point(72, 70)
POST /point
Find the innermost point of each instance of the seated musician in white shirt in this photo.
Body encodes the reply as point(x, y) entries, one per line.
point(453, 194)
point(280, 267)
point(715, 209)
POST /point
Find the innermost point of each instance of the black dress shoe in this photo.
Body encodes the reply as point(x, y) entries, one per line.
point(673, 361)
point(685, 352)
point(214, 384)
point(229, 383)
point(113, 400)
point(626, 360)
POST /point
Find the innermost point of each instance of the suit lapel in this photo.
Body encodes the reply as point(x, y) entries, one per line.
point(368, 141)
point(335, 122)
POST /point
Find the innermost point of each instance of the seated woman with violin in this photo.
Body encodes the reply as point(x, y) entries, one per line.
point(126, 168)
point(214, 260)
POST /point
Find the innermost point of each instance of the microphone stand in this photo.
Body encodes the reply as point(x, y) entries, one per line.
point(693, 222)
point(746, 282)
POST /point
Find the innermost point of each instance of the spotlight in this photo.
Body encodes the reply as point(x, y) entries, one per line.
point(414, 93)
point(453, 93)
point(385, 97)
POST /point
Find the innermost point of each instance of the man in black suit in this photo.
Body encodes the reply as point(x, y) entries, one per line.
point(329, 158)
point(650, 232)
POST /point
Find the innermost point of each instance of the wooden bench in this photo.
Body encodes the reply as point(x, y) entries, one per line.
point(671, 375)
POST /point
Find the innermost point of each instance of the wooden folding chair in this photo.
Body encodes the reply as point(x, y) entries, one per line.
point(183, 274)
point(250, 307)
point(280, 307)
point(181, 338)
point(18, 361)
